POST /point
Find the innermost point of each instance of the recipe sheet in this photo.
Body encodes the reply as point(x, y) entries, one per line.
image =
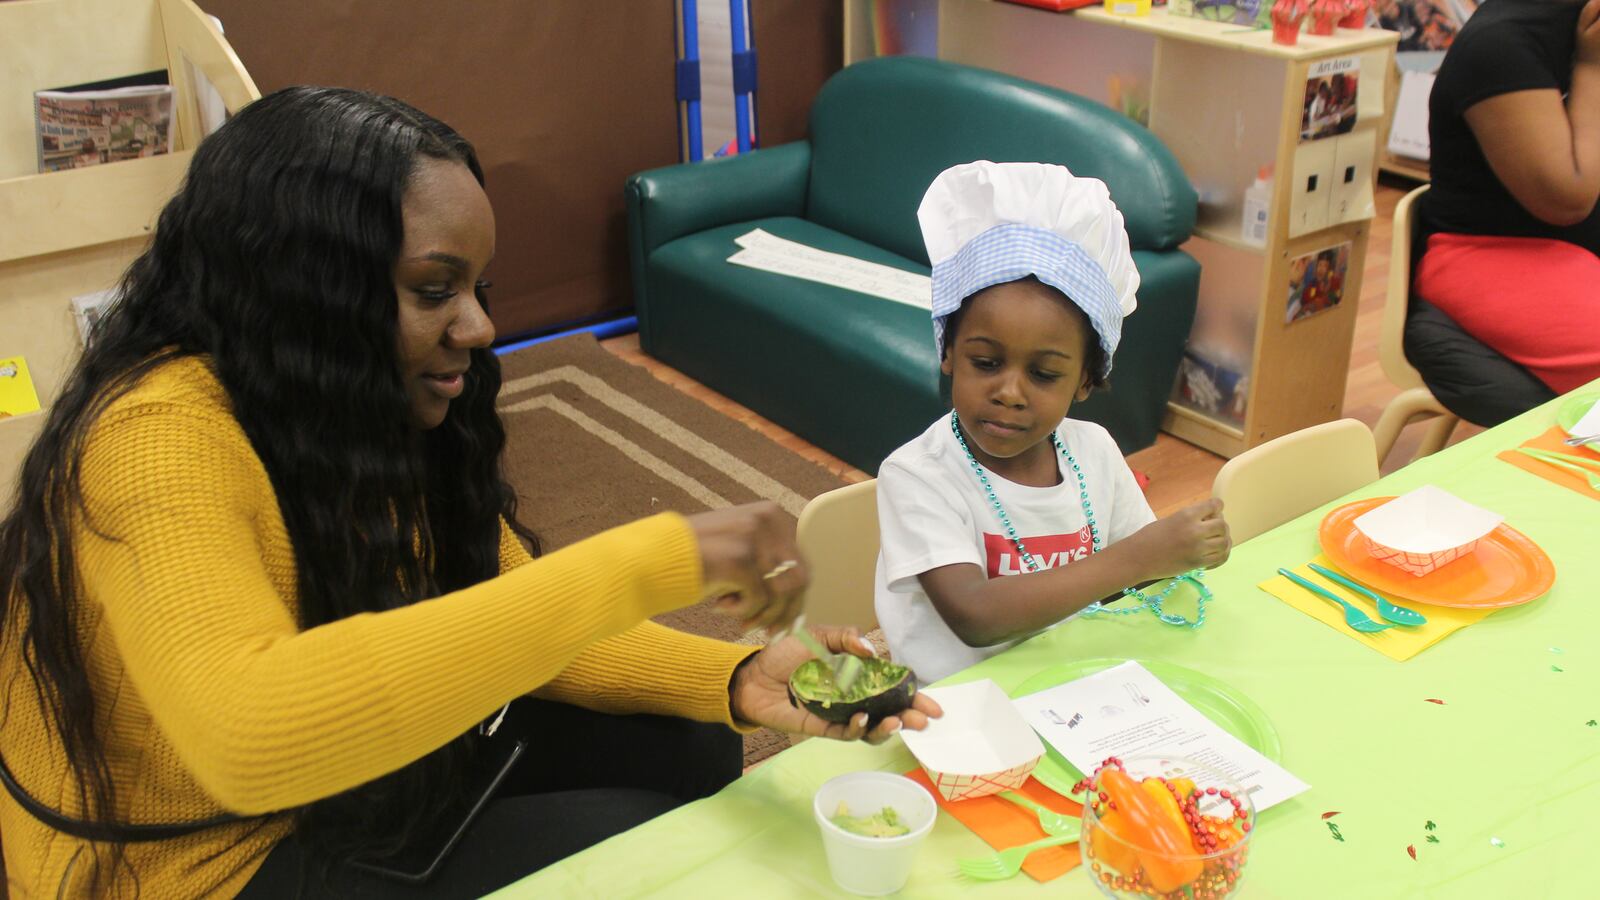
point(1125, 711)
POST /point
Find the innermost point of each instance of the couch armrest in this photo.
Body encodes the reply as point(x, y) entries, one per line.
point(671, 202)
point(668, 203)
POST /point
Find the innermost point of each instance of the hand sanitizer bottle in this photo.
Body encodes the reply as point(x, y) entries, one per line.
point(1257, 206)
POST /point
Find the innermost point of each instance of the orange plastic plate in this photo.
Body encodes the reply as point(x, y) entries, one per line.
point(1505, 569)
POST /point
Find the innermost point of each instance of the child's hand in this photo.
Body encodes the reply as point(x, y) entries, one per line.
point(1195, 537)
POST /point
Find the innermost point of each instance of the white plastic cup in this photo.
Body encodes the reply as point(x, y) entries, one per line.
point(873, 866)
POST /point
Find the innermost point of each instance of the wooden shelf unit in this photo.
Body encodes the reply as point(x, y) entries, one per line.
point(1241, 39)
point(73, 232)
point(1226, 100)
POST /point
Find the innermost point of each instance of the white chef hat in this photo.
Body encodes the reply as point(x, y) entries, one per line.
point(988, 223)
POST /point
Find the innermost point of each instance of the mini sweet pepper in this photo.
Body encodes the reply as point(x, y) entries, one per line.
point(1161, 843)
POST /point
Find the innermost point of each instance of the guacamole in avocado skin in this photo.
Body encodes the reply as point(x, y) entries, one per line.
point(883, 689)
point(884, 823)
point(814, 681)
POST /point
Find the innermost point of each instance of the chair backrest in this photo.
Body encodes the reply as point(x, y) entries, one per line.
point(838, 535)
point(882, 129)
point(1268, 485)
point(1391, 339)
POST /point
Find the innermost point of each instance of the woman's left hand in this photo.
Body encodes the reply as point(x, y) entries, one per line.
point(759, 692)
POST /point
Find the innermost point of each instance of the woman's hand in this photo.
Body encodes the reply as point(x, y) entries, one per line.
point(1588, 49)
point(751, 563)
point(1195, 537)
point(759, 692)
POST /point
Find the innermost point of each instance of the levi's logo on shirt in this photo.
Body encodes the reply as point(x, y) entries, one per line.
point(1048, 551)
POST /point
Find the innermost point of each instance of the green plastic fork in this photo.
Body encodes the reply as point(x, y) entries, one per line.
point(1355, 618)
point(1561, 461)
point(844, 667)
point(1054, 824)
point(1007, 863)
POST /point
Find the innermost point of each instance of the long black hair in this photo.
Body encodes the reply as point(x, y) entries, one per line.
point(275, 260)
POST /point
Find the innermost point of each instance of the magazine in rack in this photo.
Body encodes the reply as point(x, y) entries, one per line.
point(104, 122)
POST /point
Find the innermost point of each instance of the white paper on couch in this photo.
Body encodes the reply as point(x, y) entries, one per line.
point(1125, 711)
point(770, 253)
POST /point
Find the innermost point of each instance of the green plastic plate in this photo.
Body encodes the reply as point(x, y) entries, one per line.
point(1574, 409)
point(1234, 712)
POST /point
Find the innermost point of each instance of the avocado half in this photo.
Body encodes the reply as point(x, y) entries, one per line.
point(883, 689)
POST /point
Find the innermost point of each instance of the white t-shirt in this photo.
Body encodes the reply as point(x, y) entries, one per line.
point(932, 512)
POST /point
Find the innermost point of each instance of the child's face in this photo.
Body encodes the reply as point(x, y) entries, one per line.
point(1016, 365)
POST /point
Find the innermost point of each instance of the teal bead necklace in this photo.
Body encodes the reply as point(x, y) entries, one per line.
point(1152, 602)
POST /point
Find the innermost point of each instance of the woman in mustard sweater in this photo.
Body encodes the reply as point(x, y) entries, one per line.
point(265, 604)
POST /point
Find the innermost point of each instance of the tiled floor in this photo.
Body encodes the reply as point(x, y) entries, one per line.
point(1180, 473)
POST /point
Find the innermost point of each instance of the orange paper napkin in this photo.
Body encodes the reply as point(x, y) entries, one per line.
point(1554, 440)
point(1003, 824)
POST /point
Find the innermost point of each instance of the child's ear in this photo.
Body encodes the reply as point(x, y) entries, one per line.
point(946, 365)
point(1084, 389)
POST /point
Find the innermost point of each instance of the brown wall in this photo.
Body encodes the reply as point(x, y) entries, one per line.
point(799, 43)
point(563, 98)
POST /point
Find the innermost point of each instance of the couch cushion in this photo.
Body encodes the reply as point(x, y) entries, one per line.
point(855, 374)
point(882, 129)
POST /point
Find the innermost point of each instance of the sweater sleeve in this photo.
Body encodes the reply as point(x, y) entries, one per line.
point(268, 716)
point(648, 669)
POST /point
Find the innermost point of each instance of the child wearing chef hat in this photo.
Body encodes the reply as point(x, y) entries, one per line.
point(1006, 517)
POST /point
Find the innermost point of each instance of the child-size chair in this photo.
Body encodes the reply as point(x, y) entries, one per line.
point(838, 535)
point(1415, 399)
point(1268, 485)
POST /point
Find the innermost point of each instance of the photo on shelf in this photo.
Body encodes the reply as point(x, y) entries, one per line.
point(1212, 387)
point(1330, 102)
point(1316, 281)
point(1424, 25)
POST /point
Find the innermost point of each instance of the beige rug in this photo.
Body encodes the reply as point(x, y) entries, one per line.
point(594, 442)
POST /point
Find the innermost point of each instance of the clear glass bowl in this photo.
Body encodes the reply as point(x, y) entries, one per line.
point(1121, 865)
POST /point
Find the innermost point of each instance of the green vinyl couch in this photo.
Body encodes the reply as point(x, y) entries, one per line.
point(856, 374)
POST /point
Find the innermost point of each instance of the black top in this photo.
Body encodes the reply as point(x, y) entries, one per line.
point(1507, 45)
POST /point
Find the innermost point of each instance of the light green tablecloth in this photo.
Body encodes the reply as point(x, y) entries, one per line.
point(1508, 756)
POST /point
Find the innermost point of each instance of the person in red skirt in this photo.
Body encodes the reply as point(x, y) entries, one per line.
point(1510, 225)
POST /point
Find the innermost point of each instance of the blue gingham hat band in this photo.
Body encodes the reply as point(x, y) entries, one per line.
point(1011, 251)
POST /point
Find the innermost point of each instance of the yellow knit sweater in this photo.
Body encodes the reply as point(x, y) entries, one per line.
point(211, 700)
